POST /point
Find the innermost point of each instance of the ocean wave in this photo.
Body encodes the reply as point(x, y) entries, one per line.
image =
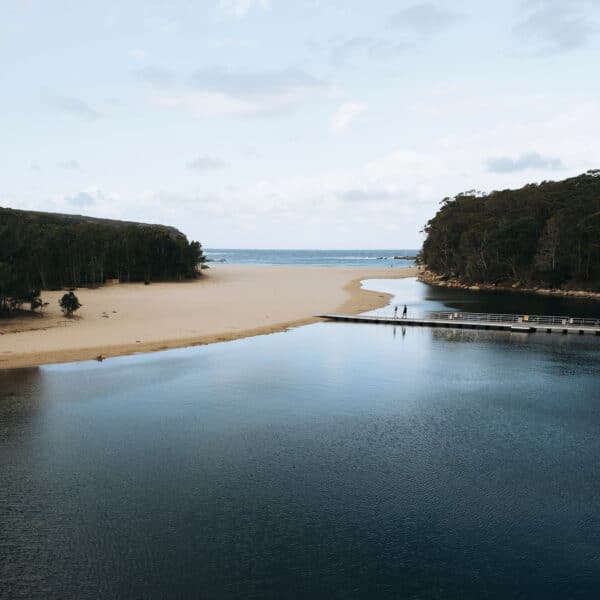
point(353, 257)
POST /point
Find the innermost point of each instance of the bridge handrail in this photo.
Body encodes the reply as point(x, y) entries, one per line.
point(506, 318)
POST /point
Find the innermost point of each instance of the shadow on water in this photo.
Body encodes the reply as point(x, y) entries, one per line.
point(421, 298)
point(20, 398)
point(503, 302)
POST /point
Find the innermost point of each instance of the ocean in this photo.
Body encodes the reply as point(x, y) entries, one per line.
point(331, 258)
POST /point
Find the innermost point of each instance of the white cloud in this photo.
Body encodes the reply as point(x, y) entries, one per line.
point(345, 115)
point(156, 76)
point(239, 8)
point(255, 83)
point(206, 163)
point(525, 161)
point(72, 106)
point(401, 179)
point(72, 165)
point(383, 203)
point(146, 206)
point(375, 48)
point(425, 18)
point(557, 25)
point(82, 199)
point(220, 91)
point(211, 104)
point(569, 138)
point(370, 195)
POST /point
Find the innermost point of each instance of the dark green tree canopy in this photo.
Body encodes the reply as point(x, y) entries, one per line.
point(542, 234)
point(69, 303)
point(52, 251)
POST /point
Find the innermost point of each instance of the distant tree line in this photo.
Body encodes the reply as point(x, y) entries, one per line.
point(52, 251)
point(542, 234)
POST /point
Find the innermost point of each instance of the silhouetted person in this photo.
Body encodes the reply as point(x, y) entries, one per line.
point(395, 312)
point(404, 312)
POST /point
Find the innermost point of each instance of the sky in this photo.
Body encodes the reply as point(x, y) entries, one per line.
point(291, 123)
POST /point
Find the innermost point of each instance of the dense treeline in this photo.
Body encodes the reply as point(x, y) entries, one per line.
point(51, 251)
point(545, 234)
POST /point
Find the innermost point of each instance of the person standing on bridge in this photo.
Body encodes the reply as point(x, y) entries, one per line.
point(404, 312)
point(396, 312)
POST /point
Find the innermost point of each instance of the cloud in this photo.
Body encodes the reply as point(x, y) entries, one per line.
point(425, 18)
point(219, 91)
point(213, 104)
point(239, 8)
point(244, 84)
point(155, 76)
point(362, 204)
point(145, 206)
point(345, 115)
point(382, 202)
point(82, 199)
point(138, 53)
point(402, 175)
point(370, 195)
point(73, 107)
point(556, 25)
point(206, 163)
point(35, 167)
point(72, 165)
point(528, 160)
point(371, 47)
point(249, 151)
point(176, 199)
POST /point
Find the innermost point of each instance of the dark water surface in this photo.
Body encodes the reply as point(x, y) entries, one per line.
point(331, 461)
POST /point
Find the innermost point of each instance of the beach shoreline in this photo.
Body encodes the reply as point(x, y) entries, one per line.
point(228, 302)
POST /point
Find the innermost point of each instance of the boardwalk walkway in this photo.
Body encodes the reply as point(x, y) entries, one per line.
point(462, 320)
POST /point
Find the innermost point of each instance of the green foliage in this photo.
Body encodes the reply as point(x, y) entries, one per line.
point(546, 234)
point(51, 251)
point(69, 303)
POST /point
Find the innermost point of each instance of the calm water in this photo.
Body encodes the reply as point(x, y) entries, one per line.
point(336, 258)
point(421, 299)
point(331, 461)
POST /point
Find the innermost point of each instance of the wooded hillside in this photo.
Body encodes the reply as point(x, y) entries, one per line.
point(545, 234)
point(53, 251)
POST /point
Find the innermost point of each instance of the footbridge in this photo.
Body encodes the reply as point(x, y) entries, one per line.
point(464, 320)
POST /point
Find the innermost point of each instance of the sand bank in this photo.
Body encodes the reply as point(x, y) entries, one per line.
point(227, 303)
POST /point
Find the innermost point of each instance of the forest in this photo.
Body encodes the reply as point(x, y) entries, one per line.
point(53, 251)
point(545, 234)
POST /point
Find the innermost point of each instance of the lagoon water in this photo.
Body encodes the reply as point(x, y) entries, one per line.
point(331, 461)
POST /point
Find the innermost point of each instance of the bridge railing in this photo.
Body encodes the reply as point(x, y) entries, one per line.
point(524, 319)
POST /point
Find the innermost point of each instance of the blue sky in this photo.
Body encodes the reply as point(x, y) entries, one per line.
point(292, 124)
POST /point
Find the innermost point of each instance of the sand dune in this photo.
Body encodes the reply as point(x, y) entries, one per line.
point(228, 302)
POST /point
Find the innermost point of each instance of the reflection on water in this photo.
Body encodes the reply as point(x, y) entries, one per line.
point(331, 461)
point(421, 298)
point(512, 303)
point(19, 400)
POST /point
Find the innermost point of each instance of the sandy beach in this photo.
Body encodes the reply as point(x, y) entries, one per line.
point(226, 303)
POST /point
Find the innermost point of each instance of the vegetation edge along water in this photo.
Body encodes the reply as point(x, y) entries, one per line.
point(542, 237)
